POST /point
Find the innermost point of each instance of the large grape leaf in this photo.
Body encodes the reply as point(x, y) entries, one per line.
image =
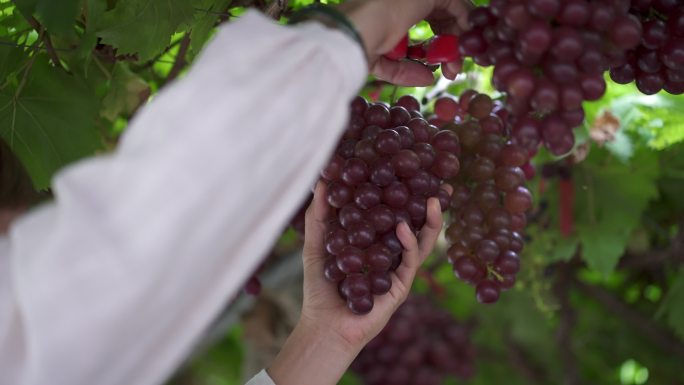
point(207, 12)
point(10, 60)
point(126, 93)
point(611, 196)
point(56, 16)
point(50, 123)
point(143, 26)
point(673, 305)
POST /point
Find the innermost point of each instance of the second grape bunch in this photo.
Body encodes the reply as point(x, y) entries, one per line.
point(388, 164)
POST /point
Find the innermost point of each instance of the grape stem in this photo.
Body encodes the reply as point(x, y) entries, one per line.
point(490, 270)
point(276, 9)
point(644, 324)
point(566, 324)
point(180, 61)
point(46, 40)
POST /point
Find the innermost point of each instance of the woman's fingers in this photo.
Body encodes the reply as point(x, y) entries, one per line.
point(315, 224)
point(430, 232)
point(416, 250)
point(450, 16)
point(403, 73)
point(452, 69)
point(411, 258)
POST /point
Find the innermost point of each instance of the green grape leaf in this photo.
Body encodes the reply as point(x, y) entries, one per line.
point(27, 7)
point(672, 307)
point(611, 197)
point(57, 16)
point(143, 27)
point(126, 93)
point(50, 123)
point(10, 60)
point(205, 19)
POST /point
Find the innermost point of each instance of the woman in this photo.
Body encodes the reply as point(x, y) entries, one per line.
point(114, 281)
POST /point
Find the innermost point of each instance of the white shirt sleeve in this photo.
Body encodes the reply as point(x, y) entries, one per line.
point(262, 378)
point(114, 282)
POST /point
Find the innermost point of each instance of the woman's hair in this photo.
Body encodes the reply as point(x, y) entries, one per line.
point(16, 187)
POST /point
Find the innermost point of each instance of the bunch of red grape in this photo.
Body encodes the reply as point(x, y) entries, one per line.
point(549, 57)
point(658, 62)
point(421, 345)
point(489, 201)
point(389, 162)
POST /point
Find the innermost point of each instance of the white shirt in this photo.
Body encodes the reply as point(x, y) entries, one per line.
point(114, 281)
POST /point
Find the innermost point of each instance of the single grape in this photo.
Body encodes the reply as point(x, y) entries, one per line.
point(446, 109)
point(409, 103)
point(396, 194)
point(508, 263)
point(331, 271)
point(508, 178)
point(335, 241)
point(361, 234)
point(406, 135)
point(487, 291)
point(623, 75)
point(513, 156)
point(382, 172)
point(468, 270)
point(367, 195)
point(518, 201)
point(399, 116)
point(382, 218)
point(377, 115)
point(332, 171)
point(339, 194)
point(480, 106)
point(253, 286)
point(446, 165)
point(378, 258)
point(388, 142)
point(545, 98)
point(498, 218)
point(649, 84)
point(380, 282)
point(487, 250)
point(350, 260)
point(567, 44)
point(360, 305)
point(626, 32)
point(446, 140)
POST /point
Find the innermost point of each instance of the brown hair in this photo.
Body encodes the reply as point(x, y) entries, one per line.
point(16, 187)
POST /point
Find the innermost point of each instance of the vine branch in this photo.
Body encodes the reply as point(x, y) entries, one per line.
point(180, 61)
point(522, 362)
point(656, 258)
point(52, 53)
point(277, 8)
point(662, 338)
point(566, 324)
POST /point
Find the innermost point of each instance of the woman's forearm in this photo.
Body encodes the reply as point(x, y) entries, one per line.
point(142, 247)
point(312, 356)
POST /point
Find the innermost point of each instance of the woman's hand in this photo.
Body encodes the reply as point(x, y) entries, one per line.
point(328, 335)
point(323, 307)
point(382, 23)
